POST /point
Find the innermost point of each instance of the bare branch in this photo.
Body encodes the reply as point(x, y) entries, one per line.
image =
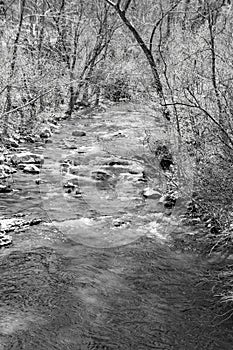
point(206, 113)
point(3, 89)
point(213, 62)
point(160, 20)
point(26, 104)
point(127, 5)
point(110, 3)
point(193, 96)
point(116, 5)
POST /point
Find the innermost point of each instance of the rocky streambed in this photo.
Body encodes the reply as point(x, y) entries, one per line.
point(91, 264)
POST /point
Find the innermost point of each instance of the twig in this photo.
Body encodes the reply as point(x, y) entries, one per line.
point(110, 3)
point(159, 21)
point(206, 113)
point(26, 104)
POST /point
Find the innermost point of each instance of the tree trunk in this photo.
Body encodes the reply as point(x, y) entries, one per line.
point(14, 55)
point(71, 102)
point(147, 52)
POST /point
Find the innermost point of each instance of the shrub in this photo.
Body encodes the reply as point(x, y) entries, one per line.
point(117, 89)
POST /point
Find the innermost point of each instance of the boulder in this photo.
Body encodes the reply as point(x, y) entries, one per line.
point(5, 240)
point(52, 120)
point(3, 173)
point(5, 188)
point(169, 200)
point(100, 175)
point(36, 138)
point(78, 133)
point(12, 143)
point(32, 138)
point(2, 159)
point(120, 223)
point(45, 133)
point(15, 224)
point(72, 186)
point(21, 166)
point(6, 170)
point(149, 193)
point(136, 169)
point(53, 126)
point(165, 157)
point(166, 162)
point(27, 158)
point(31, 169)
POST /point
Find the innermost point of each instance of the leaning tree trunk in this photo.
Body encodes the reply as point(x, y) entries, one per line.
point(147, 52)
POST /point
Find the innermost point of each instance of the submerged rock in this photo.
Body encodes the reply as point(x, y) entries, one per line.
point(74, 170)
point(100, 175)
point(110, 136)
point(70, 145)
point(48, 141)
point(78, 133)
point(27, 158)
point(117, 162)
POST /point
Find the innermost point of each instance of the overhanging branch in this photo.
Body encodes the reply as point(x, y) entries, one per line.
point(206, 113)
point(26, 104)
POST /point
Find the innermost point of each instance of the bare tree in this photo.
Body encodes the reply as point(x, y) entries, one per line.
point(84, 32)
point(14, 54)
point(121, 7)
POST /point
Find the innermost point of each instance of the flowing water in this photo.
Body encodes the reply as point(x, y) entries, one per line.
point(100, 271)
